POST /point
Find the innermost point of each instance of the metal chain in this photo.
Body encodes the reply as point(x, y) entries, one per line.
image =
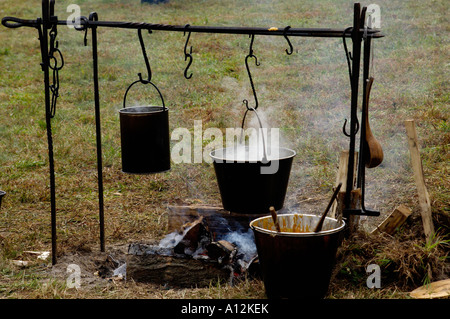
point(54, 55)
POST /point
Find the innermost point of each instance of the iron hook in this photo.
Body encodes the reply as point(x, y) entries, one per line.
point(344, 130)
point(85, 29)
point(141, 80)
point(251, 55)
point(291, 49)
point(52, 7)
point(186, 54)
point(348, 55)
point(147, 64)
point(85, 25)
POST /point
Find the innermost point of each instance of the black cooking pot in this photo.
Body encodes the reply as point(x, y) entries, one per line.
point(251, 181)
point(251, 187)
point(296, 262)
point(144, 132)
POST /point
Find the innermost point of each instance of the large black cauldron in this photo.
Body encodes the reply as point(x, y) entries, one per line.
point(251, 187)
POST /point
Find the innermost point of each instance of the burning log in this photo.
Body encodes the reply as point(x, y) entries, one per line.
point(173, 270)
point(189, 257)
point(218, 220)
point(195, 234)
point(221, 250)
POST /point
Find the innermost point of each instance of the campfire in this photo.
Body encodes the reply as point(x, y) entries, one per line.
point(212, 245)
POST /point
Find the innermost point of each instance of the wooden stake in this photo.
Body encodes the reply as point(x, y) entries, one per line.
point(416, 163)
point(341, 177)
point(394, 220)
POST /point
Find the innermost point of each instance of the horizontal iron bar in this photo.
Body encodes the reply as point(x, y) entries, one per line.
point(11, 22)
point(302, 32)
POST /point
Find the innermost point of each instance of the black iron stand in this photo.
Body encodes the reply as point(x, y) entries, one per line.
point(93, 17)
point(47, 12)
point(47, 27)
point(355, 126)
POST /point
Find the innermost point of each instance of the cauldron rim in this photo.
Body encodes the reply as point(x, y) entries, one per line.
point(143, 110)
point(230, 160)
point(298, 234)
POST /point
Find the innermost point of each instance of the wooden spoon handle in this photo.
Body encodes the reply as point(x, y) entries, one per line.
point(320, 223)
point(366, 109)
point(275, 218)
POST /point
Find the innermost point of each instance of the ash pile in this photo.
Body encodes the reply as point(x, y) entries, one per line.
point(194, 256)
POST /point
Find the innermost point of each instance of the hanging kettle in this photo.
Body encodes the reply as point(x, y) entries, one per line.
point(144, 132)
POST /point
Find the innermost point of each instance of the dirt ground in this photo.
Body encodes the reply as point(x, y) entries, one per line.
point(97, 268)
point(406, 263)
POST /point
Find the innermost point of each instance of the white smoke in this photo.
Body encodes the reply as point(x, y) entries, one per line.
point(244, 241)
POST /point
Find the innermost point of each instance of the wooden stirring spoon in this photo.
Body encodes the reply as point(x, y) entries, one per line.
point(275, 218)
point(320, 223)
point(374, 153)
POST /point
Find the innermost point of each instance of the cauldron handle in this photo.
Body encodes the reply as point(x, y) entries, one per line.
point(149, 71)
point(143, 82)
point(264, 159)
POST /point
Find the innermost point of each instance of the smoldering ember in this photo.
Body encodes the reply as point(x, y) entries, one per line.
point(197, 253)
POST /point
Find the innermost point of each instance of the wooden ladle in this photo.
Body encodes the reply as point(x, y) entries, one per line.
point(373, 155)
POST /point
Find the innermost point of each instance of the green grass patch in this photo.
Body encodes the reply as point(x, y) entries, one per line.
point(306, 94)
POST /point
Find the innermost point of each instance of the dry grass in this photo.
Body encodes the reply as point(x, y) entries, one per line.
point(406, 262)
point(306, 95)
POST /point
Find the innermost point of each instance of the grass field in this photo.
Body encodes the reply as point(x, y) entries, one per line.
point(306, 95)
